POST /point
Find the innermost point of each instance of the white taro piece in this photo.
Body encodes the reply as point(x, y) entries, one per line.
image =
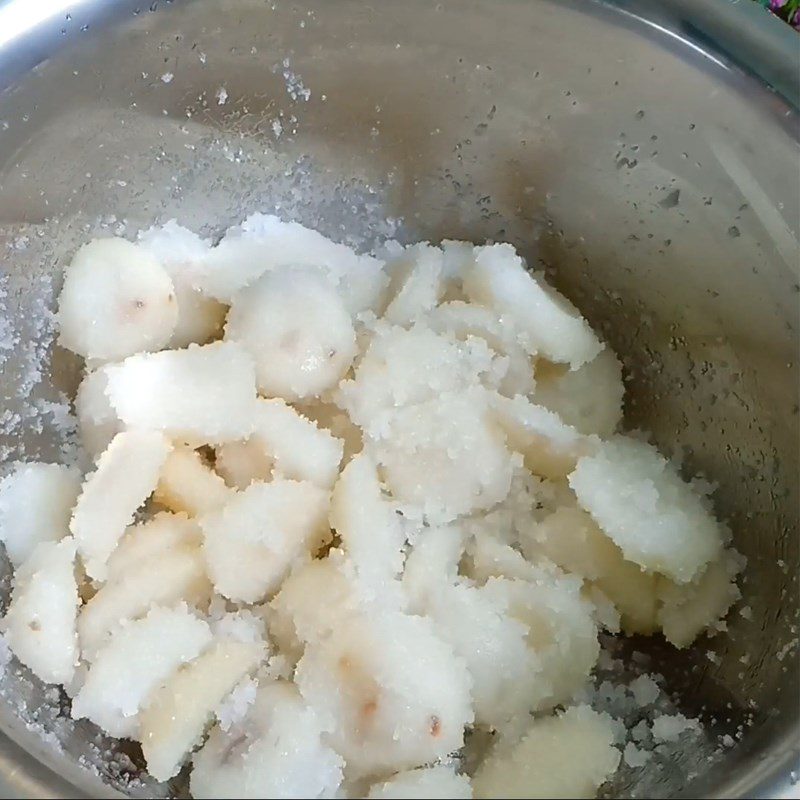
point(98, 423)
point(165, 578)
point(277, 751)
point(546, 322)
point(183, 253)
point(434, 783)
point(368, 525)
point(297, 330)
point(156, 536)
point(39, 626)
point(265, 243)
point(416, 285)
point(200, 395)
point(391, 692)
point(686, 610)
point(179, 711)
point(188, 485)
point(463, 320)
point(252, 542)
point(36, 503)
point(549, 446)
point(138, 659)
point(638, 498)
point(285, 441)
point(445, 457)
point(567, 756)
point(126, 475)
point(588, 398)
point(405, 367)
point(570, 538)
point(116, 300)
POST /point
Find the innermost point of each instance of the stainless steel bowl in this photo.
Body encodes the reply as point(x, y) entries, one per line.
point(635, 148)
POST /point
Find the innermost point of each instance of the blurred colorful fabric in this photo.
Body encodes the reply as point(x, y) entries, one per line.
point(788, 10)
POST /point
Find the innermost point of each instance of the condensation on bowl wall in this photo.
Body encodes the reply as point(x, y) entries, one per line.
point(651, 170)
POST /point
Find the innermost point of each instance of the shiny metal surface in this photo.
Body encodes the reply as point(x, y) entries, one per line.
point(637, 142)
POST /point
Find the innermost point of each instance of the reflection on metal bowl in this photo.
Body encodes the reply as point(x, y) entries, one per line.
point(635, 148)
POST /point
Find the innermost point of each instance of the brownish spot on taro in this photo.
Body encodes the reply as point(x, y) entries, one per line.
point(345, 664)
point(368, 709)
point(138, 303)
point(435, 726)
point(35, 625)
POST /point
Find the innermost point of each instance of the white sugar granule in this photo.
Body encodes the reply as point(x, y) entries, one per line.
point(669, 727)
point(634, 757)
point(233, 709)
point(645, 690)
